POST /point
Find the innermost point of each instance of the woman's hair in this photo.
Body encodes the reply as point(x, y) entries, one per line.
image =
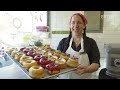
point(84, 30)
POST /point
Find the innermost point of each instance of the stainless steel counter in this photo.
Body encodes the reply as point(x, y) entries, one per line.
point(10, 70)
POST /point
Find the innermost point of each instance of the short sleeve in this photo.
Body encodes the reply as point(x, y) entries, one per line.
point(63, 45)
point(94, 52)
point(60, 46)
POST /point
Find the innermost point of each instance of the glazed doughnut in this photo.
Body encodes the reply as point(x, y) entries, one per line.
point(52, 51)
point(36, 72)
point(44, 61)
point(65, 56)
point(25, 58)
point(47, 54)
point(53, 68)
point(72, 62)
point(29, 63)
point(10, 50)
point(47, 49)
point(42, 52)
point(14, 52)
point(41, 48)
point(53, 58)
point(61, 62)
point(57, 53)
point(18, 56)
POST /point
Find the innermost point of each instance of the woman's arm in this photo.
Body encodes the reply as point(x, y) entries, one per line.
point(63, 45)
point(87, 69)
point(60, 46)
point(92, 68)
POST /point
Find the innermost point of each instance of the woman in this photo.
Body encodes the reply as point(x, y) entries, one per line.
point(77, 44)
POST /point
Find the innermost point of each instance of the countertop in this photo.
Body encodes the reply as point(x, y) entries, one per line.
point(11, 71)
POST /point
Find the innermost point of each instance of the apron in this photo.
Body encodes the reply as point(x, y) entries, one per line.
point(83, 60)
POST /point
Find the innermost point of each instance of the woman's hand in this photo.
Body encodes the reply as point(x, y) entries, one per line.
point(87, 69)
point(81, 69)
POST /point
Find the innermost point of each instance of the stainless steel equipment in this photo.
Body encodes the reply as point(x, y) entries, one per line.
point(113, 60)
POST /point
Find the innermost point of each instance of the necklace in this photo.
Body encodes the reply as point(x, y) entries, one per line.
point(77, 43)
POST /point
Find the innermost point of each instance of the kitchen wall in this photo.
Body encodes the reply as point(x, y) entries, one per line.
point(18, 27)
point(59, 21)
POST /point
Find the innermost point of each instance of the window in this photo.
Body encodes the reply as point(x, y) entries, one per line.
point(95, 22)
point(14, 25)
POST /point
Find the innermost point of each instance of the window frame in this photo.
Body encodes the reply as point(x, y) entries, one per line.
point(101, 24)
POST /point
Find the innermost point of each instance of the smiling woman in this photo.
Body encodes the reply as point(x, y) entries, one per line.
point(86, 52)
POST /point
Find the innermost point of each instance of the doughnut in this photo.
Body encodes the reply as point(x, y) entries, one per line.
point(21, 49)
point(29, 63)
point(14, 52)
point(65, 56)
point(47, 54)
point(44, 61)
point(57, 53)
point(24, 58)
point(18, 56)
point(52, 51)
point(72, 62)
point(53, 68)
point(61, 62)
point(53, 58)
point(47, 49)
point(10, 50)
point(36, 72)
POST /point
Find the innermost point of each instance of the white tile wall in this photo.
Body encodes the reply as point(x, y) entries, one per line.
point(56, 39)
point(111, 29)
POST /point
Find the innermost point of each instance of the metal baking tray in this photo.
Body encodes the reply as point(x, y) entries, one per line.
point(47, 76)
point(9, 57)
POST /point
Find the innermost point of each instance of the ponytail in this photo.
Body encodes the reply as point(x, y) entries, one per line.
point(69, 37)
point(84, 38)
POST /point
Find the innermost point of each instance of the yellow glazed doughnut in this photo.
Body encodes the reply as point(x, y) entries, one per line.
point(36, 72)
point(61, 62)
point(29, 63)
point(72, 62)
point(25, 58)
point(18, 56)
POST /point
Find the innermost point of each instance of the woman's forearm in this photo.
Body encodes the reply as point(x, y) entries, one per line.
point(87, 69)
point(92, 68)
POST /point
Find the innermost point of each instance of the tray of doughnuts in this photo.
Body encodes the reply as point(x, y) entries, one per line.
point(42, 62)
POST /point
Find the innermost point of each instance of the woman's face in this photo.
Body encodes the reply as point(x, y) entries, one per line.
point(76, 25)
